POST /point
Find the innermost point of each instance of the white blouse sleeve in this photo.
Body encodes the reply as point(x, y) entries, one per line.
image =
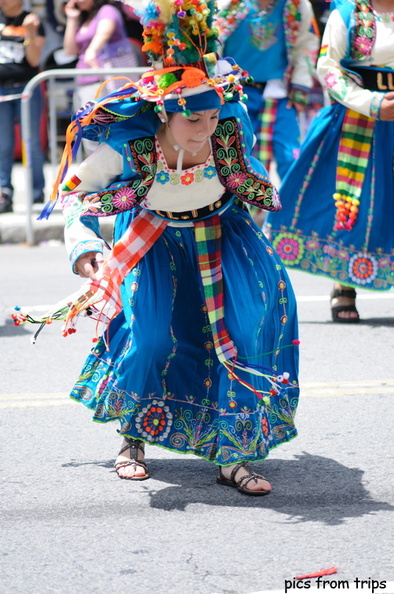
point(96, 173)
point(339, 86)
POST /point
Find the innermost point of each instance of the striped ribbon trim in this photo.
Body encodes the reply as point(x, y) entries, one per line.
point(208, 239)
point(263, 149)
point(353, 153)
point(353, 156)
point(71, 184)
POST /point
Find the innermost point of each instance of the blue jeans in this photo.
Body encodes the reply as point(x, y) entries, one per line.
point(10, 114)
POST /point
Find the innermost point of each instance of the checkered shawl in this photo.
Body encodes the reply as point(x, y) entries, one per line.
point(263, 150)
point(208, 239)
point(103, 295)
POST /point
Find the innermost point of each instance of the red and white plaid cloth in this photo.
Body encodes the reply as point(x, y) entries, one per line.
point(126, 253)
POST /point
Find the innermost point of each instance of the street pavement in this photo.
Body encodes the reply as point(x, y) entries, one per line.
point(69, 524)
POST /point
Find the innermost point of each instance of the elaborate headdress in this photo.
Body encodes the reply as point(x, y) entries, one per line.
point(186, 75)
point(181, 42)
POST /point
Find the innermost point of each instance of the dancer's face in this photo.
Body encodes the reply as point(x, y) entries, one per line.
point(192, 133)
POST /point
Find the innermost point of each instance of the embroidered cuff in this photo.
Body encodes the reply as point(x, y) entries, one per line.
point(93, 245)
point(374, 109)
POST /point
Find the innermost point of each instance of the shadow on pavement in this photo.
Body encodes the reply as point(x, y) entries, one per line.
point(377, 322)
point(373, 322)
point(307, 488)
point(7, 328)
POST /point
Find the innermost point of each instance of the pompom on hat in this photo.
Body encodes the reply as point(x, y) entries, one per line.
point(181, 44)
point(186, 74)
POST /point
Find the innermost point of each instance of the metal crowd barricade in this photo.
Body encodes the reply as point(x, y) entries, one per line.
point(51, 75)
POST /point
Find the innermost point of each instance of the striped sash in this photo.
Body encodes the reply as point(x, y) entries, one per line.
point(352, 163)
point(208, 239)
point(263, 150)
point(126, 253)
point(101, 299)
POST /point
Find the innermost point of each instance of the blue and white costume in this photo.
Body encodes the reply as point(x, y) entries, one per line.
point(277, 47)
point(337, 219)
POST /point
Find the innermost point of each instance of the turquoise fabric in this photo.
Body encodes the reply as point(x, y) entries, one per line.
point(256, 34)
point(161, 378)
point(302, 233)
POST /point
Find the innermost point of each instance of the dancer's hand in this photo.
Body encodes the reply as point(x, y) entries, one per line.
point(387, 108)
point(88, 264)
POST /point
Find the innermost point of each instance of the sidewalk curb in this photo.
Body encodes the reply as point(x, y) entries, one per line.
point(13, 228)
point(14, 225)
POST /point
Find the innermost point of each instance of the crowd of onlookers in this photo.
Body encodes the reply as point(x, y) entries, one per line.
point(47, 35)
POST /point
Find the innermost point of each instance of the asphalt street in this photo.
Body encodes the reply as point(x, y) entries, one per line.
point(69, 524)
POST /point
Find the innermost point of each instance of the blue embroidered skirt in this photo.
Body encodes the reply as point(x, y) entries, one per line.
point(161, 378)
point(303, 232)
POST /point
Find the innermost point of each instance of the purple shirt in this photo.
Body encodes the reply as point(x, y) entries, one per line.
point(85, 35)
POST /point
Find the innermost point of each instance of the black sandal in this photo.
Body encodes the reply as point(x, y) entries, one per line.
point(336, 309)
point(133, 445)
point(241, 483)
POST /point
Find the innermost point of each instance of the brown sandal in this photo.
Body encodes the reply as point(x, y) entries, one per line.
point(133, 445)
point(241, 483)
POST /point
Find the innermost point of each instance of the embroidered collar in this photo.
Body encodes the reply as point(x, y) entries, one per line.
point(179, 171)
point(363, 31)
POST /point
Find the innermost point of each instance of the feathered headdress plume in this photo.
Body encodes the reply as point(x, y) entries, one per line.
point(179, 31)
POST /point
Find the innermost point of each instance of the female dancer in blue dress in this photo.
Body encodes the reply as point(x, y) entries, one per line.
point(338, 197)
point(201, 351)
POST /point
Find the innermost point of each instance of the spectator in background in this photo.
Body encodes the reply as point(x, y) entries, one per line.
point(52, 16)
point(133, 28)
point(95, 32)
point(22, 38)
